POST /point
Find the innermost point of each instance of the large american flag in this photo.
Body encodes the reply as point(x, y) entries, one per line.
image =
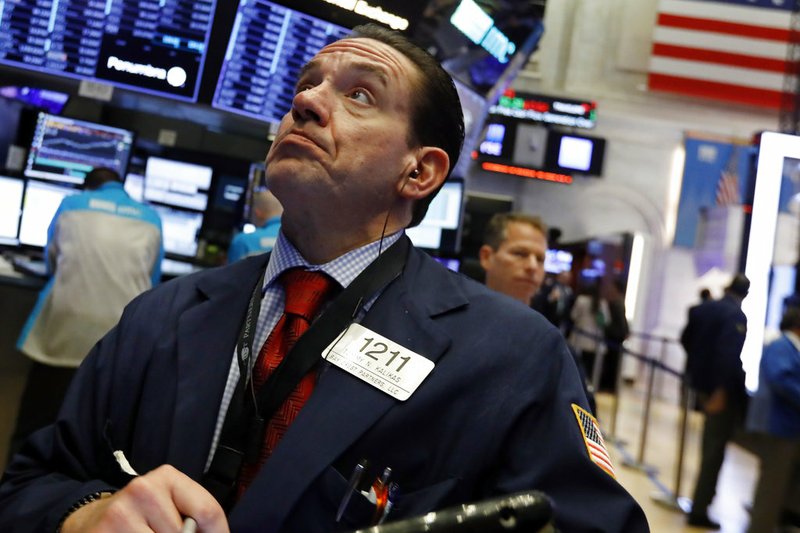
point(729, 50)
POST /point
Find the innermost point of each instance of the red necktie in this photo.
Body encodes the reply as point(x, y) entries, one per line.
point(305, 293)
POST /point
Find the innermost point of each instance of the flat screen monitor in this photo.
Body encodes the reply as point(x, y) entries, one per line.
point(177, 183)
point(428, 237)
point(268, 45)
point(11, 193)
point(134, 186)
point(557, 261)
point(439, 230)
point(481, 43)
point(50, 101)
point(180, 230)
point(153, 47)
point(66, 149)
point(535, 146)
point(576, 154)
point(445, 209)
point(38, 208)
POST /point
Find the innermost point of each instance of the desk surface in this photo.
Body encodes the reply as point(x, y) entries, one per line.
point(26, 272)
point(10, 276)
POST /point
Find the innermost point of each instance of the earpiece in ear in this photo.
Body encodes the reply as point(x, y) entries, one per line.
point(414, 173)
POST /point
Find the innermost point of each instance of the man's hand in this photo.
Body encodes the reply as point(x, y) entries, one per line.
point(156, 501)
point(716, 402)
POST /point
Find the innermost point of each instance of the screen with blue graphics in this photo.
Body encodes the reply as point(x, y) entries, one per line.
point(156, 46)
point(66, 149)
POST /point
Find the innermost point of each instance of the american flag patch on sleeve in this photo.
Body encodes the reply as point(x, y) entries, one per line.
point(593, 439)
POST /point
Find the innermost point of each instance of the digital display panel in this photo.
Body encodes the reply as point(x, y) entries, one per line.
point(440, 227)
point(11, 190)
point(156, 46)
point(575, 153)
point(66, 149)
point(550, 110)
point(268, 45)
point(177, 183)
point(50, 101)
point(38, 208)
point(557, 261)
point(445, 209)
point(534, 146)
point(483, 44)
point(134, 186)
point(179, 230)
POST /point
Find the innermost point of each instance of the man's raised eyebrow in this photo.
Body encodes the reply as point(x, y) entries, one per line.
point(372, 69)
point(363, 67)
point(305, 68)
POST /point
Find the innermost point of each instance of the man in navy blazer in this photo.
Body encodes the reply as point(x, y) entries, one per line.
point(373, 132)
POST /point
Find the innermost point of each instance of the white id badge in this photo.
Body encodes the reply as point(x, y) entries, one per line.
point(382, 363)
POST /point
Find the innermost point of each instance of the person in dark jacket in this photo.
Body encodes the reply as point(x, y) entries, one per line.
point(456, 393)
point(713, 340)
point(616, 331)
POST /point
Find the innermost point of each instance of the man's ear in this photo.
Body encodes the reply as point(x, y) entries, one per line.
point(431, 170)
point(485, 255)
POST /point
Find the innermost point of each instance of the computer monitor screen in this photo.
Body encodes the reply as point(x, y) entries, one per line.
point(153, 47)
point(268, 45)
point(575, 154)
point(428, 237)
point(38, 208)
point(179, 230)
point(557, 261)
point(177, 183)
point(536, 146)
point(134, 186)
point(50, 101)
point(440, 227)
point(445, 209)
point(66, 149)
point(11, 190)
point(479, 42)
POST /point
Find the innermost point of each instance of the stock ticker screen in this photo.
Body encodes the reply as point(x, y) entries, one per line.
point(156, 46)
point(268, 45)
point(66, 149)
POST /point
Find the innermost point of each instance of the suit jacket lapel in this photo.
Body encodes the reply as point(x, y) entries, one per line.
point(343, 407)
point(206, 337)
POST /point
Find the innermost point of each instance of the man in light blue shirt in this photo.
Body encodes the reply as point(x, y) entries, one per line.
point(103, 249)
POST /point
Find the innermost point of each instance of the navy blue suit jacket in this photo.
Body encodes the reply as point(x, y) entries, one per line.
point(493, 417)
point(713, 340)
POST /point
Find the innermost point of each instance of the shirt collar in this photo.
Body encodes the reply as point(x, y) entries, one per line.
point(110, 185)
point(271, 222)
point(344, 269)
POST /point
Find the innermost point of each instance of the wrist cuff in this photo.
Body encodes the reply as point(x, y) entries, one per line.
point(89, 498)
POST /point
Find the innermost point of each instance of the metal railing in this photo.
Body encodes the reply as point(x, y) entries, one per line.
point(666, 496)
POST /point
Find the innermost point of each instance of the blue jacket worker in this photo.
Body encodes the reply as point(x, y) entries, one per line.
point(265, 214)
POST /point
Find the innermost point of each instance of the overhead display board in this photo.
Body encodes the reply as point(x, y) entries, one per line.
point(548, 109)
point(157, 46)
point(268, 45)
